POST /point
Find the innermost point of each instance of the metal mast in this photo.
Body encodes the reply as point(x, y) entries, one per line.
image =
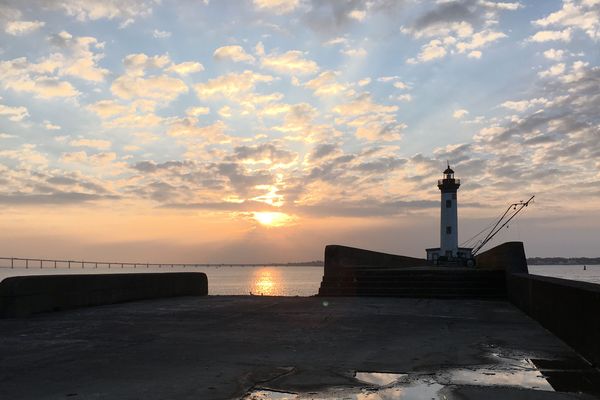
point(508, 215)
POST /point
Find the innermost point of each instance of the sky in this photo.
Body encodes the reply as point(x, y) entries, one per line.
point(262, 130)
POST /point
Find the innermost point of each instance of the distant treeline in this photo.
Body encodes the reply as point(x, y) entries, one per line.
point(563, 261)
point(315, 263)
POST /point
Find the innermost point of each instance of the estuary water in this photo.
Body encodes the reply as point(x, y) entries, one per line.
point(278, 280)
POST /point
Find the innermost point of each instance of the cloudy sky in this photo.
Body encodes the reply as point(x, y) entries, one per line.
point(261, 130)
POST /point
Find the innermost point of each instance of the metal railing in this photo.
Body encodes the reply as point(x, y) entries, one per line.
point(41, 263)
point(455, 181)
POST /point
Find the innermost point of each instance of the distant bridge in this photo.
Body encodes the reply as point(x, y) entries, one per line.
point(40, 263)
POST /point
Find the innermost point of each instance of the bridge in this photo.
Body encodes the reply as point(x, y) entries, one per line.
point(41, 263)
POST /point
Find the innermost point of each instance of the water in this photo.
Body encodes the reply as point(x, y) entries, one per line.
point(259, 281)
point(278, 281)
point(572, 272)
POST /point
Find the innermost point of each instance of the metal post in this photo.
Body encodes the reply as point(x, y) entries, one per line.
point(41, 264)
point(12, 262)
point(69, 262)
point(26, 263)
point(54, 264)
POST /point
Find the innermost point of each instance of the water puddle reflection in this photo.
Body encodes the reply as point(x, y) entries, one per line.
point(518, 373)
point(378, 378)
point(270, 395)
point(505, 371)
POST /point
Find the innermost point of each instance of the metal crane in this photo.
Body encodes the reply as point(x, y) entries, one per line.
point(508, 215)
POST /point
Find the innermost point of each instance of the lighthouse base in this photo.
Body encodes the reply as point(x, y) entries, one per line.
point(460, 257)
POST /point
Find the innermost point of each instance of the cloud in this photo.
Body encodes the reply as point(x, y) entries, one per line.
point(553, 54)
point(231, 85)
point(137, 64)
point(329, 17)
point(107, 108)
point(461, 112)
point(161, 88)
point(85, 10)
point(195, 111)
point(326, 84)
point(269, 153)
point(187, 128)
point(50, 126)
point(290, 63)
point(27, 156)
point(548, 36)
point(81, 157)
point(479, 40)
point(358, 52)
point(233, 53)
point(19, 28)
point(371, 121)
point(554, 70)
point(358, 15)
point(92, 143)
point(186, 68)
point(575, 14)
point(432, 50)
point(459, 26)
point(15, 114)
point(324, 150)
point(22, 76)
point(77, 57)
point(277, 6)
point(57, 198)
point(158, 34)
point(369, 207)
point(523, 105)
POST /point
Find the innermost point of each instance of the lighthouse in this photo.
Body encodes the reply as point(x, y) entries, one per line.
point(448, 250)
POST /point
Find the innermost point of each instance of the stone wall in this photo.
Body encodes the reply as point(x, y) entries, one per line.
point(568, 309)
point(25, 295)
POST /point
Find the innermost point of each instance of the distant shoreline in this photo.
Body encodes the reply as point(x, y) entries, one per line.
point(563, 261)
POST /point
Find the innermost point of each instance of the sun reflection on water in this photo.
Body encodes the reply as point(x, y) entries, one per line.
point(266, 282)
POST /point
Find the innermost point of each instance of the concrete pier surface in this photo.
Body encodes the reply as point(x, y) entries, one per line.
point(244, 347)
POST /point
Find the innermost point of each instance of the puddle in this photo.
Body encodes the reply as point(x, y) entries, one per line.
point(503, 371)
point(420, 390)
point(378, 378)
point(506, 371)
point(491, 377)
point(270, 395)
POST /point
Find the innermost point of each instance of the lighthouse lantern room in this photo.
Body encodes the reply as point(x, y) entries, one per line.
point(449, 250)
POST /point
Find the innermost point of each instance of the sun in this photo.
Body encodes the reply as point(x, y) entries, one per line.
point(268, 218)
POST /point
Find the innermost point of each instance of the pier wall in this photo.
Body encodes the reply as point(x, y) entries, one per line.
point(568, 309)
point(340, 260)
point(509, 256)
point(25, 295)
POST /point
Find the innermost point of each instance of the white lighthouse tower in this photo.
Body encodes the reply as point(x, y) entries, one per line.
point(448, 250)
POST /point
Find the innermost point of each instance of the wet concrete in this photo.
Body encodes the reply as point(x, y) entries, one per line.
point(243, 346)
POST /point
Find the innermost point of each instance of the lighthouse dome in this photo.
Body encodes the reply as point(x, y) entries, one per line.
point(448, 171)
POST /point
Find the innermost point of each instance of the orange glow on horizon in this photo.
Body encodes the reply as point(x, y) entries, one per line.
point(274, 219)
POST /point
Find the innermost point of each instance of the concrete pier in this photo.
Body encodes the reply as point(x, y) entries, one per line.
point(219, 347)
